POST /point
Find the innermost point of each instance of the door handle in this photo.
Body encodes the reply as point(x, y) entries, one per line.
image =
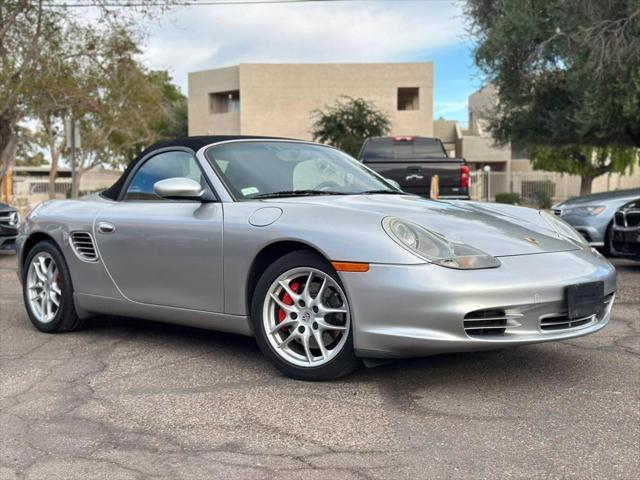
point(104, 227)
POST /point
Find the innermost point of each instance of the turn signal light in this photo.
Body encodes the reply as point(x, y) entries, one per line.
point(350, 266)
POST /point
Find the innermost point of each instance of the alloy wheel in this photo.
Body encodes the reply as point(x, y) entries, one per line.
point(44, 287)
point(306, 317)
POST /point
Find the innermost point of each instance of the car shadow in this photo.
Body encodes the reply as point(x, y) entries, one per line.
point(629, 267)
point(625, 264)
point(512, 365)
point(140, 328)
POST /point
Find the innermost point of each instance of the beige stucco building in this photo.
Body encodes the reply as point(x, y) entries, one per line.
point(279, 99)
point(474, 143)
point(509, 164)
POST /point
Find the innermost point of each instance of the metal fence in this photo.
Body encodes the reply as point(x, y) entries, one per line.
point(43, 187)
point(37, 188)
point(485, 186)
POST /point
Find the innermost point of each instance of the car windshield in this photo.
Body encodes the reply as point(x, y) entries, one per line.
point(253, 170)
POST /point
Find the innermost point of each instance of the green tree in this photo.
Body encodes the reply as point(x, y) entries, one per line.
point(585, 161)
point(41, 45)
point(28, 33)
point(127, 107)
point(176, 122)
point(29, 153)
point(567, 74)
point(348, 123)
point(58, 86)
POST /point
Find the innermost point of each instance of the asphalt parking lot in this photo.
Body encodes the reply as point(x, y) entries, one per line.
point(132, 399)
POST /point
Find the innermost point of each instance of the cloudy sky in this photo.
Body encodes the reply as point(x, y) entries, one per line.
point(204, 37)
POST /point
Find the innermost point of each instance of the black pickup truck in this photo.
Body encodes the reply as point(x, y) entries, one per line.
point(412, 161)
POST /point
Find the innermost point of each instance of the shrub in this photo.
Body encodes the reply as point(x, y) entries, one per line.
point(509, 198)
point(541, 199)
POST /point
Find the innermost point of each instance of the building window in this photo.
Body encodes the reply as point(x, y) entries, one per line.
point(409, 98)
point(224, 102)
point(519, 152)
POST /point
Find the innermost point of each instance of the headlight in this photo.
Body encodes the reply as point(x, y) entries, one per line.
point(14, 219)
point(564, 230)
point(435, 248)
point(588, 211)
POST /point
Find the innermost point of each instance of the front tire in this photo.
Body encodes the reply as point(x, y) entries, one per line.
point(607, 250)
point(47, 290)
point(301, 318)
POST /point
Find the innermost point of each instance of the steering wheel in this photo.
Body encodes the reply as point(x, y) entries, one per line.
point(328, 185)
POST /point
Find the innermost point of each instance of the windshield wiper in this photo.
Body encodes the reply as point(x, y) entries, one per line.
point(389, 192)
point(296, 193)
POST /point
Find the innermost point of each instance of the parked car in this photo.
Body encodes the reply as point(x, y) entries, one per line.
point(412, 161)
point(592, 215)
point(626, 231)
point(317, 256)
point(9, 222)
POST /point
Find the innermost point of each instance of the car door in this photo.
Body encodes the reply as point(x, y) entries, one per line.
point(159, 251)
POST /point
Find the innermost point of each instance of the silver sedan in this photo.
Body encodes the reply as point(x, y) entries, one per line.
point(325, 262)
point(592, 215)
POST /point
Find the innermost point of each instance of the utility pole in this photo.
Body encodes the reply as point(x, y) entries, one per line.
point(72, 128)
point(72, 123)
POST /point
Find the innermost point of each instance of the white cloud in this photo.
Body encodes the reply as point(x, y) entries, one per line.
point(204, 37)
point(447, 108)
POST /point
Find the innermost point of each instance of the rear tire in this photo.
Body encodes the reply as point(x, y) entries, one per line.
point(320, 327)
point(48, 291)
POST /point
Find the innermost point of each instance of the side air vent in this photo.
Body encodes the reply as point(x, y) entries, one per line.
point(83, 246)
point(562, 322)
point(482, 323)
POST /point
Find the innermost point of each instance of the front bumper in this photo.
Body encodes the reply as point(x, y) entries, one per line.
point(417, 310)
point(626, 242)
point(592, 234)
point(8, 243)
point(593, 229)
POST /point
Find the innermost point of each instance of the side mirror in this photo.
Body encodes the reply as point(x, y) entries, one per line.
point(178, 188)
point(394, 183)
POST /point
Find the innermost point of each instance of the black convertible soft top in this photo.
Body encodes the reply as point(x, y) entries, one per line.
point(192, 143)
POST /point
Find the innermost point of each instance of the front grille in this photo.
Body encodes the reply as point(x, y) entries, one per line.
point(627, 218)
point(9, 219)
point(491, 322)
point(557, 211)
point(563, 322)
point(626, 248)
point(633, 218)
point(83, 246)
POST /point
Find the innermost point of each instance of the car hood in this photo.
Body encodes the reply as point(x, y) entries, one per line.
point(4, 208)
point(617, 196)
point(494, 229)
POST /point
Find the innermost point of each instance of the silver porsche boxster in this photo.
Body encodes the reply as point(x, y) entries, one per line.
point(324, 261)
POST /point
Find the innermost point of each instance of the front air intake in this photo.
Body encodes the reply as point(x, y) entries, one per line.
point(563, 322)
point(83, 246)
point(485, 323)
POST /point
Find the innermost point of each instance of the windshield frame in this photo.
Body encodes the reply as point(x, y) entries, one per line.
point(222, 178)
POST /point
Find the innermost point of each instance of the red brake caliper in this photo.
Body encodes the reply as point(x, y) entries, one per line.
point(287, 300)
